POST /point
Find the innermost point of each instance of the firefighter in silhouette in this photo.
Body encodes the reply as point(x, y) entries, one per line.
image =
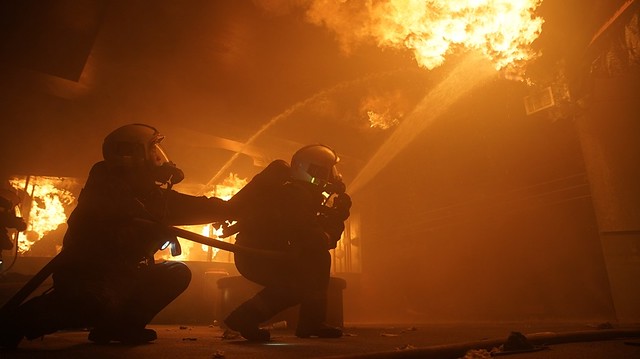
point(8, 219)
point(105, 277)
point(298, 209)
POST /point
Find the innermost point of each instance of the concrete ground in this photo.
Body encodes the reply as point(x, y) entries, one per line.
point(442, 341)
point(553, 341)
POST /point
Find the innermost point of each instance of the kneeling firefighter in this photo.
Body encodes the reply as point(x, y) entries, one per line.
point(298, 209)
point(105, 277)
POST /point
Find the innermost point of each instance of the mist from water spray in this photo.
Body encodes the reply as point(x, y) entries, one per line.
point(472, 71)
point(221, 172)
point(288, 112)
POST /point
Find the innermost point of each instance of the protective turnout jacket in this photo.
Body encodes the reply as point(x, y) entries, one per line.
point(103, 240)
point(280, 214)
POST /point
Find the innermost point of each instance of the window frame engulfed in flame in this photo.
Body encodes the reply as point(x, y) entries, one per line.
point(44, 206)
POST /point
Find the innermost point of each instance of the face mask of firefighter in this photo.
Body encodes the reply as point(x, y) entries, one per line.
point(335, 188)
point(167, 173)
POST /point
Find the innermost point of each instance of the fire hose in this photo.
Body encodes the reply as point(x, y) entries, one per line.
point(194, 237)
point(44, 273)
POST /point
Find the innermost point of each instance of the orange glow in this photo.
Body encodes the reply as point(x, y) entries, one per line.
point(384, 110)
point(471, 72)
point(381, 120)
point(199, 252)
point(501, 30)
point(50, 197)
point(48, 202)
point(230, 186)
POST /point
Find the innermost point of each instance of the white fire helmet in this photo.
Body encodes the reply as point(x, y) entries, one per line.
point(316, 164)
point(134, 145)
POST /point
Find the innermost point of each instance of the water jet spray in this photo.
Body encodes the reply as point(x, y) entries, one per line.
point(472, 71)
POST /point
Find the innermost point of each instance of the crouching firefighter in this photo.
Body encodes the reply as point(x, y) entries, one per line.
point(105, 277)
point(298, 209)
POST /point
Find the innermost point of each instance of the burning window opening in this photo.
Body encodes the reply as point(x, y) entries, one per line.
point(346, 257)
point(46, 201)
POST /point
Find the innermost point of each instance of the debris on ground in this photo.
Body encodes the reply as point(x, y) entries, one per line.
point(478, 354)
point(218, 354)
point(278, 325)
point(516, 343)
point(405, 347)
point(230, 335)
point(410, 329)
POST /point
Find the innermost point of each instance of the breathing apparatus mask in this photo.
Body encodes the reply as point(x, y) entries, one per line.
point(316, 164)
point(137, 147)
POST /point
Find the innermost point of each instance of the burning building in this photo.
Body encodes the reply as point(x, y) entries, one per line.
point(489, 146)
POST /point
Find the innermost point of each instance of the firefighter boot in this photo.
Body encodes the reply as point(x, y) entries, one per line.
point(313, 311)
point(246, 320)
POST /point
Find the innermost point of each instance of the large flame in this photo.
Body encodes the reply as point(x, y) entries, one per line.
point(502, 30)
point(47, 208)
